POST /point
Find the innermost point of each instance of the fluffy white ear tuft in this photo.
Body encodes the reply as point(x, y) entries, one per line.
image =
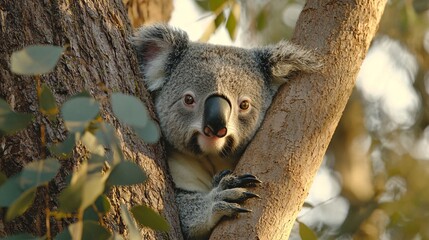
point(282, 59)
point(154, 46)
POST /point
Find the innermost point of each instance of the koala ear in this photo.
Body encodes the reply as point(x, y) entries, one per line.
point(158, 48)
point(284, 58)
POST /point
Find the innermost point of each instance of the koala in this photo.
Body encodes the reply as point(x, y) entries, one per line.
point(210, 101)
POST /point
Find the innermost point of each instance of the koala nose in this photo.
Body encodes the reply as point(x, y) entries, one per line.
point(217, 110)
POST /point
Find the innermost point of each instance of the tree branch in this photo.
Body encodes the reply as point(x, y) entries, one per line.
point(288, 150)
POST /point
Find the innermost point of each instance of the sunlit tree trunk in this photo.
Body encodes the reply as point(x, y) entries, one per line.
point(98, 59)
point(288, 150)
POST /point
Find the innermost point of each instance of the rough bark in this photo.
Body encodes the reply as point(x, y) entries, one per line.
point(288, 149)
point(99, 60)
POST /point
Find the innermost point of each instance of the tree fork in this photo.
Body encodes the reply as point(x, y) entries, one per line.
point(288, 150)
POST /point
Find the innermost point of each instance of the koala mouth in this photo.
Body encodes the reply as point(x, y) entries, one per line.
point(202, 144)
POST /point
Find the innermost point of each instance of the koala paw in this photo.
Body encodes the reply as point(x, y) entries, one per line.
point(230, 190)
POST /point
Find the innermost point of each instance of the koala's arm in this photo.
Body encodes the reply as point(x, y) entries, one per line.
point(201, 211)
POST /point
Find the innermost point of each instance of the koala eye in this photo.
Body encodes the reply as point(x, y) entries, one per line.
point(188, 99)
point(244, 105)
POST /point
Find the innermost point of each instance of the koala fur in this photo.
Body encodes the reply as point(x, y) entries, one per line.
point(210, 101)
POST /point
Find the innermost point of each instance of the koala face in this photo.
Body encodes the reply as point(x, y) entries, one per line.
point(211, 99)
point(212, 72)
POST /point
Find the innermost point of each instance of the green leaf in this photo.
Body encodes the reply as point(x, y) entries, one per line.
point(78, 113)
point(64, 149)
point(39, 172)
point(116, 236)
point(82, 192)
point(21, 205)
point(149, 218)
point(4, 107)
point(214, 5)
point(47, 103)
point(133, 231)
point(232, 21)
point(93, 231)
point(76, 230)
point(106, 134)
point(219, 19)
point(35, 59)
point(129, 110)
point(11, 121)
point(261, 20)
point(126, 173)
point(306, 233)
point(92, 144)
point(149, 133)
point(21, 236)
point(84, 230)
point(3, 178)
point(10, 191)
point(84, 94)
point(103, 204)
point(64, 235)
point(308, 205)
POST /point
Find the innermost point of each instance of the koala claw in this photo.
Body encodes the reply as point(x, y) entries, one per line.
point(251, 195)
point(248, 180)
point(243, 210)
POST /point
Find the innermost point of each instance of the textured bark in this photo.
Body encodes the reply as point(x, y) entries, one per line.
point(99, 60)
point(288, 149)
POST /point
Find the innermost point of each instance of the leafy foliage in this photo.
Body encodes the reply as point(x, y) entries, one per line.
point(10, 121)
point(85, 196)
point(35, 60)
point(219, 9)
point(147, 217)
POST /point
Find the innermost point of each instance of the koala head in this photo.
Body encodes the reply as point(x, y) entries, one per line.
point(211, 99)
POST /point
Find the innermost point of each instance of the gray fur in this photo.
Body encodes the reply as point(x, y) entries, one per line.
point(173, 67)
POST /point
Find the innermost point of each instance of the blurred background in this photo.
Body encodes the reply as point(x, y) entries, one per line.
point(374, 181)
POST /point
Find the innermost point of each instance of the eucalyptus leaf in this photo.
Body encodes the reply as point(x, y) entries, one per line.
point(20, 205)
point(306, 233)
point(92, 144)
point(126, 173)
point(82, 193)
point(35, 59)
point(78, 113)
point(129, 109)
point(93, 231)
point(116, 236)
point(219, 19)
point(64, 149)
point(133, 231)
point(3, 178)
point(39, 172)
point(149, 133)
point(101, 206)
point(214, 5)
point(11, 121)
point(149, 218)
point(232, 22)
point(21, 236)
point(10, 191)
point(47, 103)
point(64, 235)
point(307, 205)
point(76, 230)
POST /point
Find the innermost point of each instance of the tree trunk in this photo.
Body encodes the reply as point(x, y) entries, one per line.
point(99, 60)
point(288, 149)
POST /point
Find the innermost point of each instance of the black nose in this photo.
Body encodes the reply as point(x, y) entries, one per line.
point(217, 110)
